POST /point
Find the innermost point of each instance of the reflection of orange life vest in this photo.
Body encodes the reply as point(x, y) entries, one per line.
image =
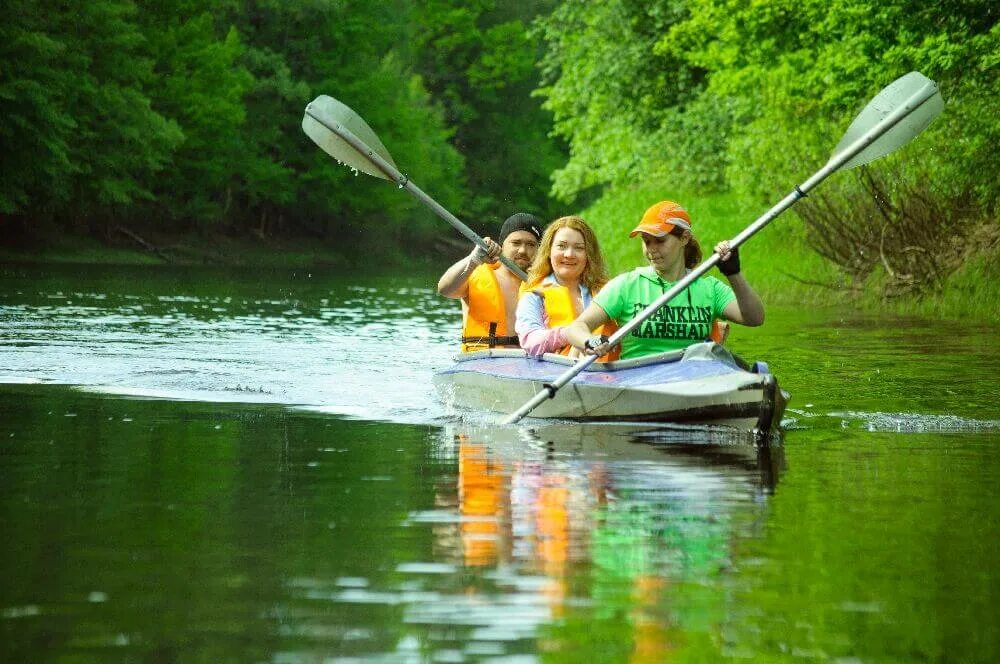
point(481, 498)
point(559, 309)
point(486, 318)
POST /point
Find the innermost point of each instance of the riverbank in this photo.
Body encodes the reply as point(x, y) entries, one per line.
point(145, 247)
point(778, 261)
point(781, 265)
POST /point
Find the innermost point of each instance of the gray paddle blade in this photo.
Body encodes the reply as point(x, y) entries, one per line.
point(913, 89)
point(334, 116)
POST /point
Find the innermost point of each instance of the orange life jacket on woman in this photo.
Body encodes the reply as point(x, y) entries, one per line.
point(559, 309)
point(716, 333)
point(486, 317)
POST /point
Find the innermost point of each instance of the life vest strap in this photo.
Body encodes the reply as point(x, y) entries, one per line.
point(492, 341)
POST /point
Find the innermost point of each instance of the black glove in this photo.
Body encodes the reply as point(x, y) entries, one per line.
point(732, 265)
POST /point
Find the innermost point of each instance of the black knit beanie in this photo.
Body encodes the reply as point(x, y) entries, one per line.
point(521, 221)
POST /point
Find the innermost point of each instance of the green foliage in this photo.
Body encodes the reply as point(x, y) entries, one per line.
point(188, 113)
point(749, 95)
point(34, 133)
point(478, 61)
point(80, 135)
point(627, 110)
point(969, 293)
point(348, 51)
point(753, 97)
point(198, 84)
point(800, 71)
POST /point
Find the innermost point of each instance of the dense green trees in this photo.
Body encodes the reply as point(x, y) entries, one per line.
point(199, 83)
point(737, 93)
point(80, 136)
point(479, 61)
point(624, 106)
point(753, 96)
point(297, 51)
point(186, 113)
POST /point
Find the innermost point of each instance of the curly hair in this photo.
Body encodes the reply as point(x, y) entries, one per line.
point(595, 274)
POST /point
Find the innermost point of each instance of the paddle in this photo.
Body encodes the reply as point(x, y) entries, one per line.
point(342, 134)
point(892, 119)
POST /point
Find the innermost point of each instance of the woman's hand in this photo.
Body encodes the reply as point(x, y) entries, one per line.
point(597, 345)
point(729, 258)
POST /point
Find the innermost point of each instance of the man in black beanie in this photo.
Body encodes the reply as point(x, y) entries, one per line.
point(489, 290)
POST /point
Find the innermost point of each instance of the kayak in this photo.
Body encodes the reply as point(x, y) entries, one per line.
point(703, 383)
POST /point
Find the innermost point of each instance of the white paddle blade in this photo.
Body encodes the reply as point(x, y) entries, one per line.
point(913, 89)
point(334, 114)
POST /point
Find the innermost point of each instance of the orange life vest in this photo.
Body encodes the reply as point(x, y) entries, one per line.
point(559, 309)
point(716, 333)
point(486, 316)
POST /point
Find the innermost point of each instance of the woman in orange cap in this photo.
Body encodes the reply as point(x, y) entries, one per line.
point(672, 251)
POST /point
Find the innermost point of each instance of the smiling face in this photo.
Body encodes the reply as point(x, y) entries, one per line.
point(520, 247)
point(665, 253)
point(569, 255)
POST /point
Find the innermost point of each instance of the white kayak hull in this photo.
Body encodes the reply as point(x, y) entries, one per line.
point(703, 383)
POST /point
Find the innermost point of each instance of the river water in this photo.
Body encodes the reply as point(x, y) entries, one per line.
point(218, 465)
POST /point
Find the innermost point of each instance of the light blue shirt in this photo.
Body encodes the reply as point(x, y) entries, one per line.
point(531, 307)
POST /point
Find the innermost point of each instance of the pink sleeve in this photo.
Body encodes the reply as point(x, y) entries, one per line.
point(543, 340)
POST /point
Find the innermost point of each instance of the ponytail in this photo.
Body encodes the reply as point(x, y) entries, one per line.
point(692, 253)
point(692, 250)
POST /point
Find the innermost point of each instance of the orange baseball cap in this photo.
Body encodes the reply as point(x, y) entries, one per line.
point(662, 218)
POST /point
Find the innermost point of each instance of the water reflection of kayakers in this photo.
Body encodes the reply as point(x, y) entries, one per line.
point(566, 273)
point(484, 503)
point(488, 289)
point(672, 251)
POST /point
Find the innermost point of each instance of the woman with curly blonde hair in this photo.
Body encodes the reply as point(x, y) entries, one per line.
point(567, 272)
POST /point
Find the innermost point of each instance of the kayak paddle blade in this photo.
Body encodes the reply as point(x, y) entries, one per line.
point(332, 116)
point(913, 89)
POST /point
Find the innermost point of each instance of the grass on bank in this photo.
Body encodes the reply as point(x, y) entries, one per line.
point(64, 248)
point(52, 245)
point(778, 261)
point(972, 292)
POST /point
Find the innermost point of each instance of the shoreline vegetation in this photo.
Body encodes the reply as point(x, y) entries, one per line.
point(778, 261)
point(128, 247)
point(172, 133)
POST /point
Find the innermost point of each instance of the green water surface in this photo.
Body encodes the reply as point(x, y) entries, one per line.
point(206, 466)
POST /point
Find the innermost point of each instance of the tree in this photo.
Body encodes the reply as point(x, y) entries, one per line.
point(627, 109)
point(800, 71)
point(353, 53)
point(478, 60)
point(198, 83)
point(80, 136)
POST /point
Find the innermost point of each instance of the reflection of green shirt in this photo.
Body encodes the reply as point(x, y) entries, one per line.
point(685, 320)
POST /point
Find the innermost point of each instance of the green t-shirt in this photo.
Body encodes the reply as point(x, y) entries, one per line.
point(685, 320)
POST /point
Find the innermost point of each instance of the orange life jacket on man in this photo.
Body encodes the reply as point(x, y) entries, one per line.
point(486, 315)
point(559, 309)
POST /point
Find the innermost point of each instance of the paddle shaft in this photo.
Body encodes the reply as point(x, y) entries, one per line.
point(404, 183)
point(835, 162)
